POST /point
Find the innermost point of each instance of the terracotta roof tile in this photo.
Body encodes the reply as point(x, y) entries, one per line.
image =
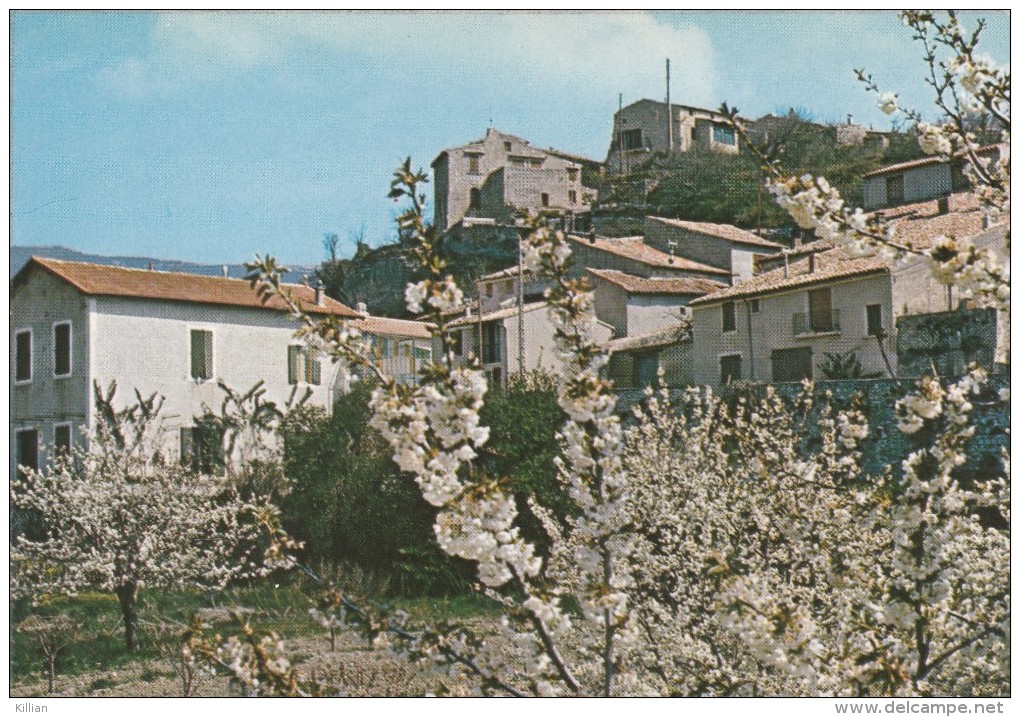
point(640, 285)
point(829, 265)
point(925, 161)
point(635, 249)
point(652, 339)
point(383, 325)
point(104, 280)
point(723, 231)
point(496, 315)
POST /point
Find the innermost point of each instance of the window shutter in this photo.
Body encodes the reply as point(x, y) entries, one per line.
point(293, 359)
point(201, 354)
point(62, 349)
point(187, 447)
point(313, 368)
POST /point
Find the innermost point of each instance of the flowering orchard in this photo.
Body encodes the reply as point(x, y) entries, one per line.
point(714, 549)
point(119, 517)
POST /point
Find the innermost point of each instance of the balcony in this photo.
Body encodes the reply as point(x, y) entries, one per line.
point(816, 322)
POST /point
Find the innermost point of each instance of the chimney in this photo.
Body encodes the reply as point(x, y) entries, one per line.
point(786, 263)
point(811, 263)
point(152, 267)
point(849, 119)
point(798, 239)
point(943, 205)
point(306, 279)
point(320, 295)
point(226, 271)
point(362, 308)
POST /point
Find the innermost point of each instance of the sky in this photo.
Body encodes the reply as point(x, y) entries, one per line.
point(212, 136)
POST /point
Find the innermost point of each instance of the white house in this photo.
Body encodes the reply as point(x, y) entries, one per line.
point(74, 325)
point(779, 325)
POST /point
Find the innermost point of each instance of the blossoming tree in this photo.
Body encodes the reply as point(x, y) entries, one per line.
point(118, 517)
point(718, 550)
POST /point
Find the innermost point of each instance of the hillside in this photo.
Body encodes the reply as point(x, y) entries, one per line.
point(20, 255)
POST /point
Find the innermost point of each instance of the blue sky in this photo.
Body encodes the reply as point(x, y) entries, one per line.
point(210, 136)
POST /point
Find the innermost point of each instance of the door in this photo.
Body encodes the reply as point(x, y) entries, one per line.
point(791, 364)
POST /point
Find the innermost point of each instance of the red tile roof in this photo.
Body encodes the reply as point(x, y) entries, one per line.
point(383, 325)
point(635, 249)
point(829, 265)
point(723, 231)
point(640, 285)
point(653, 339)
point(103, 280)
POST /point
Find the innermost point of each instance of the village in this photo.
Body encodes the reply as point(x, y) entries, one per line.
point(704, 304)
point(723, 412)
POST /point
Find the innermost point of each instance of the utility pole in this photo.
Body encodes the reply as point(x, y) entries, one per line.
point(520, 307)
point(669, 114)
point(619, 134)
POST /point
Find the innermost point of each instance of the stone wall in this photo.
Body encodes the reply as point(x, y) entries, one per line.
point(886, 444)
point(946, 340)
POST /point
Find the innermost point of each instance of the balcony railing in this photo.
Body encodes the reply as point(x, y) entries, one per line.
point(816, 322)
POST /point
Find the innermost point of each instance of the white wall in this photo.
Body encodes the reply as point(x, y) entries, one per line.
point(772, 329)
point(145, 344)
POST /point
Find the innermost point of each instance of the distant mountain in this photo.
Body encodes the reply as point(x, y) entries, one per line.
point(21, 254)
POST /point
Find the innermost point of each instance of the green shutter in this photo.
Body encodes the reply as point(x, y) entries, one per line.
point(293, 362)
point(201, 354)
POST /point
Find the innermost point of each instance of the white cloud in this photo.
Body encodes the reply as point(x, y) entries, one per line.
point(598, 52)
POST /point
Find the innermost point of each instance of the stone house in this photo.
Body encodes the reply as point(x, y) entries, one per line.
point(722, 246)
point(918, 180)
point(635, 361)
point(779, 325)
point(633, 255)
point(647, 126)
point(74, 325)
point(635, 305)
point(500, 173)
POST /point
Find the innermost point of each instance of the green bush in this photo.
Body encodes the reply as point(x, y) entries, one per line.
point(350, 503)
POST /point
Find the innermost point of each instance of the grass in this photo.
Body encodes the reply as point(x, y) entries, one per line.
point(279, 605)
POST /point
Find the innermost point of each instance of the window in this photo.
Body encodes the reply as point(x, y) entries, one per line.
point(507, 146)
point(475, 199)
point(303, 366)
point(874, 314)
point(545, 199)
point(201, 354)
point(572, 174)
point(473, 164)
point(457, 342)
point(723, 134)
point(646, 370)
point(202, 449)
point(729, 316)
point(62, 349)
point(28, 449)
point(894, 189)
point(492, 342)
point(488, 289)
point(573, 196)
point(791, 364)
point(729, 369)
point(632, 139)
point(62, 438)
point(755, 306)
point(23, 358)
point(820, 309)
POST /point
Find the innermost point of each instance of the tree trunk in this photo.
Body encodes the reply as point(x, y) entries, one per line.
point(127, 595)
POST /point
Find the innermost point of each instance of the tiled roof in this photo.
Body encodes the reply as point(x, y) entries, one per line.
point(635, 249)
point(103, 280)
point(495, 315)
point(659, 337)
point(383, 325)
point(829, 265)
point(723, 231)
point(925, 161)
point(501, 274)
point(640, 285)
